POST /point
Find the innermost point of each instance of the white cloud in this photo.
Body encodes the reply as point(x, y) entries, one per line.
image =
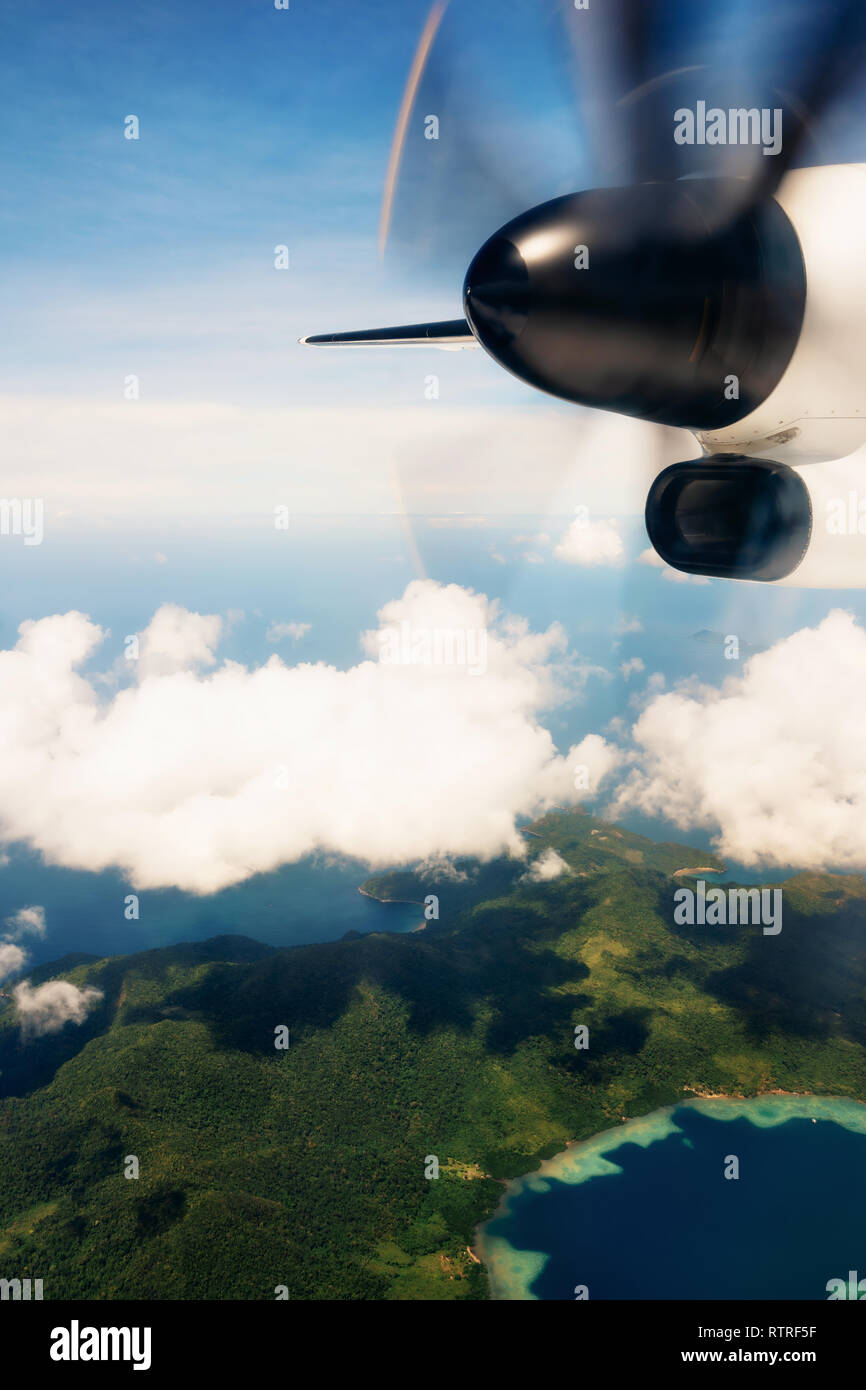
point(626, 624)
point(547, 866)
point(592, 761)
point(652, 557)
point(654, 685)
point(774, 762)
point(12, 959)
point(200, 778)
point(177, 640)
point(27, 921)
point(48, 1007)
point(632, 667)
point(277, 631)
point(591, 543)
point(206, 458)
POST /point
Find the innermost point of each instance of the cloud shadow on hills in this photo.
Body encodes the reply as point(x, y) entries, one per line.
point(502, 954)
point(809, 980)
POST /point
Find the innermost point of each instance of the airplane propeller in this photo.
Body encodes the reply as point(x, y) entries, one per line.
point(680, 123)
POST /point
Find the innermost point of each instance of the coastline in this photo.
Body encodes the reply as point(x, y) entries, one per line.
point(412, 902)
point(404, 902)
point(511, 1273)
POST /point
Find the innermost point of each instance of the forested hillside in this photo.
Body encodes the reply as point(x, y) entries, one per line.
point(305, 1166)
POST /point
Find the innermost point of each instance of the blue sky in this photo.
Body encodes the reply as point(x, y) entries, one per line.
point(155, 258)
point(249, 137)
point(261, 127)
point(258, 127)
point(248, 124)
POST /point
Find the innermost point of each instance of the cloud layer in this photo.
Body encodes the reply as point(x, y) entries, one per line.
point(199, 774)
point(774, 762)
point(209, 458)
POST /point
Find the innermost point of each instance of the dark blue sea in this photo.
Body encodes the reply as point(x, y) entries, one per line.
point(314, 900)
point(646, 1212)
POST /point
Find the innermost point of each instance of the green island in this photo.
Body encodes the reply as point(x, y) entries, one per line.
point(305, 1167)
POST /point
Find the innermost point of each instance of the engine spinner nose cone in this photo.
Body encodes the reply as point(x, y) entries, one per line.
point(496, 293)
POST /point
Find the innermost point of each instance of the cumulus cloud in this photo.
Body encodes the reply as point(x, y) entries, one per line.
point(593, 760)
point(651, 557)
point(632, 667)
point(27, 921)
point(277, 631)
point(547, 866)
point(12, 959)
point(591, 543)
point(48, 1007)
point(200, 774)
point(177, 640)
point(774, 761)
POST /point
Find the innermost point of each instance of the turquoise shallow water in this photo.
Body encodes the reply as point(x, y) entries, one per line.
point(645, 1211)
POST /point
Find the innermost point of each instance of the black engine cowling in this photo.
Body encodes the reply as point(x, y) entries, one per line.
point(731, 517)
point(676, 299)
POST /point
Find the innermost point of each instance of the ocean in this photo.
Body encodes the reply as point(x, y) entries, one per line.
point(647, 1211)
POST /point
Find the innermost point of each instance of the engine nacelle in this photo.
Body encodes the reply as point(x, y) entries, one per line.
point(653, 300)
point(734, 517)
point(730, 517)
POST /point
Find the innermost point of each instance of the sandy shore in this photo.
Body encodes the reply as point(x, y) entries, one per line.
point(416, 902)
